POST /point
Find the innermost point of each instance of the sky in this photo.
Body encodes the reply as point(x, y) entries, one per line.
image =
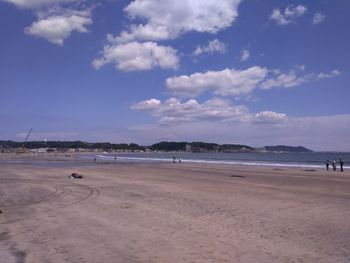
point(232, 71)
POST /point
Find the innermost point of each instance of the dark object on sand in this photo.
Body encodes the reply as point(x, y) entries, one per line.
point(310, 170)
point(239, 176)
point(75, 176)
point(1, 211)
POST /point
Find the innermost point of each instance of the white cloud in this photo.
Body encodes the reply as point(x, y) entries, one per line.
point(232, 82)
point(318, 18)
point(173, 111)
point(135, 56)
point(228, 82)
point(238, 83)
point(296, 11)
point(331, 74)
point(151, 104)
point(270, 117)
point(57, 19)
point(284, 80)
point(291, 79)
point(57, 28)
point(289, 15)
point(279, 17)
point(245, 54)
point(214, 46)
point(168, 19)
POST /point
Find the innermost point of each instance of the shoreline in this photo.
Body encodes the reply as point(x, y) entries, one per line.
point(118, 158)
point(88, 158)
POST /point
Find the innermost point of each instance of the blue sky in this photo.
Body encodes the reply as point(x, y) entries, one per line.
point(232, 71)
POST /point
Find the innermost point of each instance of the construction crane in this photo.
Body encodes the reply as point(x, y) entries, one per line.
point(23, 148)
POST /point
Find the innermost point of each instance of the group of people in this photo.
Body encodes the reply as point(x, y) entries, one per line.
point(334, 165)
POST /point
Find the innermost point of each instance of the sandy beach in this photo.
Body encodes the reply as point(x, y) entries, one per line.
point(153, 212)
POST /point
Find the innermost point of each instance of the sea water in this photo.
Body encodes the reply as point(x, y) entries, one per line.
point(303, 160)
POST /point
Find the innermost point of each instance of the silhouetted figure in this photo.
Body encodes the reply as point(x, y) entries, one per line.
point(334, 164)
point(174, 159)
point(180, 160)
point(341, 163)
point(327, 164)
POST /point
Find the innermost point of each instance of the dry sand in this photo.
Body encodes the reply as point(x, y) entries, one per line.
point(124, 212)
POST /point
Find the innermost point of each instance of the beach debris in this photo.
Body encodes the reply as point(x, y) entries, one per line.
point(75, 176)
point(239, 176)
point(310, 170)
point(1, 211)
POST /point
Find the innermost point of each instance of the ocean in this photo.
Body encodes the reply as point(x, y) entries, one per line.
point(302, 160)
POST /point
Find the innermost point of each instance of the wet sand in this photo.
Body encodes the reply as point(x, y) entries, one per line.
point(133, 212)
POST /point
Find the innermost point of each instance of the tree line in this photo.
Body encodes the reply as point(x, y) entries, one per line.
point(161, 146)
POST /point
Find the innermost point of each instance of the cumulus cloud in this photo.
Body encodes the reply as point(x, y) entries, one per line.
point(270, 117)
point(285, 80)
point(238, 83)
point(168, 19)
point(291, 79)
point(326, 75)
point(57, 19)
point(147, 105)
point(135, 56)
point(228, 82)
point(245, 54)
point(214, 46)
point(318, 18)
point(289, 15)
point(57, 28)
point(173, 111)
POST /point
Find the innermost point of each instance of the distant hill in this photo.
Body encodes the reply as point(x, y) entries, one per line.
point(161, 146)
point(284, 148)
point(213, 147)
point(199, 147)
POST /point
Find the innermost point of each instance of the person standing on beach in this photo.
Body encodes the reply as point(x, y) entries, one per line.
point(327, 164)
point(334, 164)
point(341, 163)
